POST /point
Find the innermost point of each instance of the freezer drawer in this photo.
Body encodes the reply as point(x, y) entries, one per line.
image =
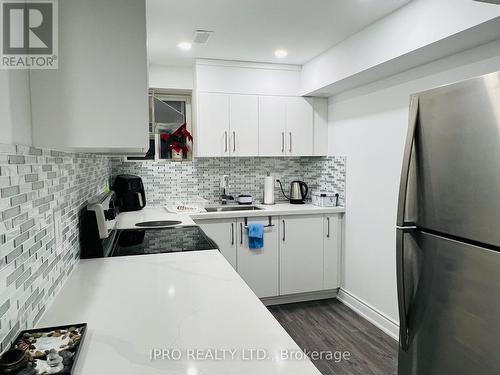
point(449, 301)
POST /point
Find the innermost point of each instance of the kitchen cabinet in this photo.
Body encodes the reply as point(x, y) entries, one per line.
point(243, 125)
point(252, 125)
point(259, 267)
point(286, 126)
point(320, 106)
point(228, 125)
point(301, 254)
point(272, 126)
point(299, 126)
point(213, 125)
point(332, 242)
point(223, 232)
point(96, 101)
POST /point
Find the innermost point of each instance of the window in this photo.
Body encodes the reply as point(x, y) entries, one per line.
point(169, 128)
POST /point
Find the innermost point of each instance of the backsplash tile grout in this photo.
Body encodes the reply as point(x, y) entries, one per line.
point(166, 181)
point(41, 195)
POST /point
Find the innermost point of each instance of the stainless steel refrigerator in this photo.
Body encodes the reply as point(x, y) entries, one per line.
point(448, 232)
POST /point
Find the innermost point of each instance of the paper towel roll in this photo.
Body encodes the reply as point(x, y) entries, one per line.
point(269, 190)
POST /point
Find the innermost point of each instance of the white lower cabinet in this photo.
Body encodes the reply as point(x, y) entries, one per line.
point(301, 254)
point(332, 242)
point(223, 232)
point(259, 267)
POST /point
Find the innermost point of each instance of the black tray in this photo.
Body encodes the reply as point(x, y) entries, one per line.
point(22, 340)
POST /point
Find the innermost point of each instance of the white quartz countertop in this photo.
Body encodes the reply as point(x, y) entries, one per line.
point(127, 220)
point(184, 301)
point(279, 209)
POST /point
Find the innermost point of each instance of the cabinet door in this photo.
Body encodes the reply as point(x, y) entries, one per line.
point(331, 255)
point(272, 125)
point(259, 267)
point(213, 125)
point(320, 126)
point(244, 125)
point(299, 126)
point(301, 254)
point(223, 232)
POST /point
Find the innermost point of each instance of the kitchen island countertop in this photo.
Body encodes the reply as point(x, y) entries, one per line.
point(137, 307)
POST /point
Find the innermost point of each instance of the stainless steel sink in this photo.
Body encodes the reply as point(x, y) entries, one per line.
point(232, 208)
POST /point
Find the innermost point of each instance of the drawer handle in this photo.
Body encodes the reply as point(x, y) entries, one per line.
point(328, 227)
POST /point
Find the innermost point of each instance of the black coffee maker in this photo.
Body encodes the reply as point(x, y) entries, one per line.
point(129, 191)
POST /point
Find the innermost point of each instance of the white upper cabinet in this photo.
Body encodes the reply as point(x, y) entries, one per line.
point(286, 126)
point(267, 115)
point(243, 125)
point(272, 126)
point(320, 106)
point(213, 125)
point(98, 98)
point(299, 126)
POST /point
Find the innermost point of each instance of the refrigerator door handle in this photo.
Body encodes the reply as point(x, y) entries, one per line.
point(405, 172)
point(404, 340)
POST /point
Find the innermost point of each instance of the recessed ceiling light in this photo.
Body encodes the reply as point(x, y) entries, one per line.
point(185, 46)
point(280, 53)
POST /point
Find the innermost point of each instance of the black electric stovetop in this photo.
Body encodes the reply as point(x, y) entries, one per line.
point(164, 240)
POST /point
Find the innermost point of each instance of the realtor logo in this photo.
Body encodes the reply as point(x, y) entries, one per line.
point(28, 34)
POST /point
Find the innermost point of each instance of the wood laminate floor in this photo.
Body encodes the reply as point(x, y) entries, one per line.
point(329, 325)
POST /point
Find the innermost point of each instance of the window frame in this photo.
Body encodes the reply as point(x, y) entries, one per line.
point(165, 95)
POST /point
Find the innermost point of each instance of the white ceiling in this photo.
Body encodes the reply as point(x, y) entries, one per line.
point(251, 30)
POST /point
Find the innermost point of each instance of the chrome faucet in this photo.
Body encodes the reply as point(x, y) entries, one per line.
point(224, 184)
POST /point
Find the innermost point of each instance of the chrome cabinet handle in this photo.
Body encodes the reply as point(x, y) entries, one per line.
point(284, 231)
point(234, 141)
point(225, 141)
point(328, 227)
point(232, 233)
point(241, 233)
point(290, 141)
point(405, 173)
point(282, 141)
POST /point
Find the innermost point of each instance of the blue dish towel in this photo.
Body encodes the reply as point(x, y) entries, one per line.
point(255, 236)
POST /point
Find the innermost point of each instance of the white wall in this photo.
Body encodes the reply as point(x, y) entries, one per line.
point(411, 28)
point(15, 111)
point(368, 125)
point(171, 77)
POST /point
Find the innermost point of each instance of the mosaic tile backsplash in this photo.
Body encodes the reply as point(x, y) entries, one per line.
point(166, 181)
point(41, 195)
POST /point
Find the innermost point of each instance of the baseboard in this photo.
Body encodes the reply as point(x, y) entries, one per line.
point(370, 313)
point(300, 297)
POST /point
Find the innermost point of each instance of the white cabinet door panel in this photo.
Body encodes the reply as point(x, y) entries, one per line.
point(331, 256)
point(301, 254)
point(244, 125)
point(299, 126)
point(272, 125)
point(223, 232)
point(259, 267)
point(213, 125)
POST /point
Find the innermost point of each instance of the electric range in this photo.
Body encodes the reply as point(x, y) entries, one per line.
point(100, 238)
